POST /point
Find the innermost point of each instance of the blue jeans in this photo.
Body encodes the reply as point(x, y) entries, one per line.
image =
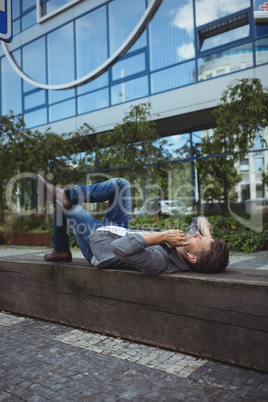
point(81, 222)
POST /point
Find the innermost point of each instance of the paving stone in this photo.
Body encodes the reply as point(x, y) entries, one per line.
point(46, 361)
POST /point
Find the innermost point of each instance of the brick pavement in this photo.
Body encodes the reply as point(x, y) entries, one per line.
point(41, 361)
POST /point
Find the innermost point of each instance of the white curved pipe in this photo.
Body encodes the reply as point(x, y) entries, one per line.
point(135, 34)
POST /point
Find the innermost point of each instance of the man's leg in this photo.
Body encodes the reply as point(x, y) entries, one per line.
point(116, 191)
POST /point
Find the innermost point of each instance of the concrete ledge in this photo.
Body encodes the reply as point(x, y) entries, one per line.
point(219, 316)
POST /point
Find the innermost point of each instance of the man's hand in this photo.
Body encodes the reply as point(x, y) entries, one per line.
point(174, 238)
point(204, 226)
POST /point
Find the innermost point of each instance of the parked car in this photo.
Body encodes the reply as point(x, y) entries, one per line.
point(162, 208)
point(257, 205)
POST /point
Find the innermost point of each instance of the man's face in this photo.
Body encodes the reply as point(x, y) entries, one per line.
point(198, 242)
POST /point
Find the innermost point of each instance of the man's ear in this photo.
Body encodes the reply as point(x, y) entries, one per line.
point(192, 259)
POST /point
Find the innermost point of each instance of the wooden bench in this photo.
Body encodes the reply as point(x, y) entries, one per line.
point(219, 316)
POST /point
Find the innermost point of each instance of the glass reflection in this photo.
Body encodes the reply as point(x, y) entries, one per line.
point(211, 10)
point(26, 4)
point(129, 66)
point(34, 61)
point(60, 45)
point(179, 180)
point(57, 96)
point(260, 18)
point(16, 27)
point(236, 58)
point(200, 144)
point(34, 100)
point(91, 41)
point(28, 20)
point(37, 118)
point(178, 146)
point(129, 90)
point(196, 143)
point(11, 86)
point(62, 110)
point(123, 17)
point(52, 5)
point(15, 9)
point(98, 83)
point(172, 34)
point(225, 37)
point(261, 47)
point(173, 77)
point(216, 179)
point(93, 101)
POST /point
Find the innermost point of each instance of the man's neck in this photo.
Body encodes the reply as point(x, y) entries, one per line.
point(182, 253)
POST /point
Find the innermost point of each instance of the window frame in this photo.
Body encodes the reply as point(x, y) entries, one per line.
point(42, 18)
point(243, 17)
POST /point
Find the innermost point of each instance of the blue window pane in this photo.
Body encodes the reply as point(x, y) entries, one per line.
point(26, 4)
point(172, 34)
point(57, 96)
point(15, 9)
point(62, 110)
point(140, 43)
point(260, 18)
point(34, 100)
point(261, 51)
point(91, 41)
point(16, 27)
point(34, 62)
point(60, 45)
point(127, 91)
point(131, 65)
point(261, 30)
point(236, 58)
point(226, 37)
point(36, 118)
point(173, 77)
point(52, 5)
point(98, 83)
point(93, 101)
point(28, 20)
point(211, 10)
point(178, 146)
point(11, 86)
point(123, 17)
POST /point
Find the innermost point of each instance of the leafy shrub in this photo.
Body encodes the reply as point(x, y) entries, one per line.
point(226, 228)
point(31, 224)
point(238, 237)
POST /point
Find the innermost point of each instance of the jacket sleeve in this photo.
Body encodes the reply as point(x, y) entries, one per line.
point(194, 225)
point(134, 250)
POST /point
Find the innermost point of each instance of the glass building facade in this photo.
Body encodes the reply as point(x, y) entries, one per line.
point(186, 42)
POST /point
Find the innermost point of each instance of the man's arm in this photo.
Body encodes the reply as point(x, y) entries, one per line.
point(204, 226)
point(134, 249)
point(174, 238)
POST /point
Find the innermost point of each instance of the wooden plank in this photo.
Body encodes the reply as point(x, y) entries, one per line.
point(220, 316)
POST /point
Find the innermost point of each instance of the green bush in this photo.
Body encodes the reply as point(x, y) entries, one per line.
point(28, 224)
point(247, 241)
point(238, 237)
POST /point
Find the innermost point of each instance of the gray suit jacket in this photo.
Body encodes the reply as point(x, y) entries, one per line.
point(132, 251)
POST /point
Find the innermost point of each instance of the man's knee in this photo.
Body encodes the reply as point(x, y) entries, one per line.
point(123, 183)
